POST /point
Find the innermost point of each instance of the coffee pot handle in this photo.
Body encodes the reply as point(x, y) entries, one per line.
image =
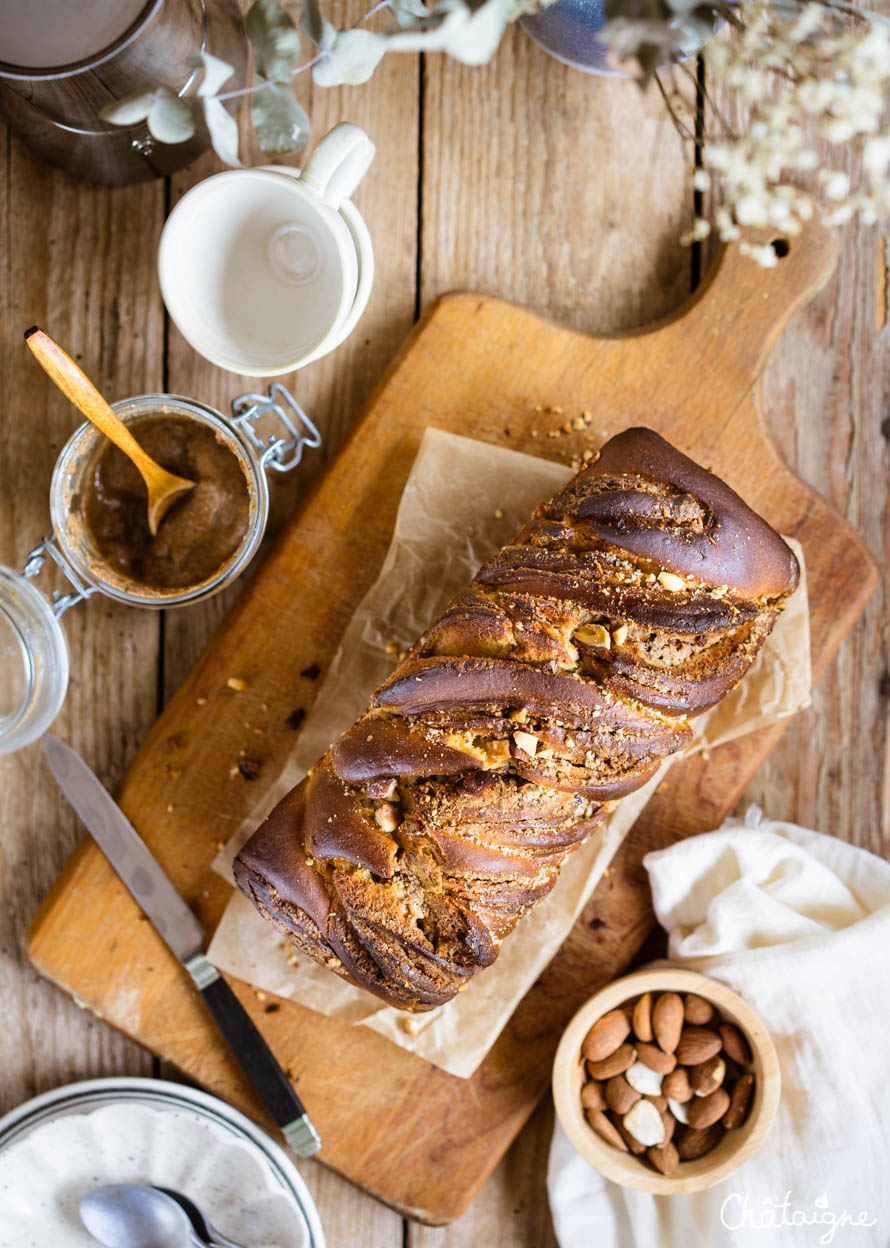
point(339, 163)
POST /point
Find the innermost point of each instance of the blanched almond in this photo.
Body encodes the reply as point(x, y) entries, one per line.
point(667, 1020)
point(671, 582)
point(644, 1123)
point(698, 1011)
point(605, 1035)
point(735, 1043)
point(739, 1103)
point(696, 1045)
point(526, 742)
point(678, 1109)
point(703, 1111)
point(644, 1079)
point(676, 1085)
point(602, 1126)
point(656, 1059)
point(593, 635)
point(615, 1064)
point(642, 1018)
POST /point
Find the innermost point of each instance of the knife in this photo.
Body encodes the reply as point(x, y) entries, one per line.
point(182, 933)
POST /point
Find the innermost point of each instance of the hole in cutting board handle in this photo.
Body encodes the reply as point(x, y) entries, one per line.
point(781, 247)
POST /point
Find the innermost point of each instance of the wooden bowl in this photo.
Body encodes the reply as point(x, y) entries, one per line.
point(734, 1149)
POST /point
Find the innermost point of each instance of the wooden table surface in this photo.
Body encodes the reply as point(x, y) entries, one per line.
point(525, 179)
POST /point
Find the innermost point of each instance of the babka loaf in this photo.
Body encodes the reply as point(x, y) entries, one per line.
point(555, 683)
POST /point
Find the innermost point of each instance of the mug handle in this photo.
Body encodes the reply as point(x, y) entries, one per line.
point(339, 163)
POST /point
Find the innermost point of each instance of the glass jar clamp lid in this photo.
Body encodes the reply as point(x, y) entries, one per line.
point(34, 657)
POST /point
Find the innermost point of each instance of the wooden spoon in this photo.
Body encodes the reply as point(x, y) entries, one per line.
point(163, 487)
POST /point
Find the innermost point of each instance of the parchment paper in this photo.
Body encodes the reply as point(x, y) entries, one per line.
point(462, 502)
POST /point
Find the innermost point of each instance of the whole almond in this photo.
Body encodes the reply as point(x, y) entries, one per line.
point(739, 1103)
point(693, 1142)
point(660, 1102)
point(615, 1064)
point(605, 1035)
point(667, 1020)
point(634, 1145)
point(735, 1043)
point(592, 1095)
point(656, 1059)
point(670, 1124)
point(620, 1096)
point(604, 1127)
point(642, 1018)
point(676, 1085)
point(664, 1157)
point(698, 1011)
point(696, 1045)
point(704, 1111)
point(708, 1076)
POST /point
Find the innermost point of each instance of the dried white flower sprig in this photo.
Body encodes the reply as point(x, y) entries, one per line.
point(810, 83)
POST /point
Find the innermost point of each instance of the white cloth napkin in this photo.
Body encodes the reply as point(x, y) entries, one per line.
point(799, 925)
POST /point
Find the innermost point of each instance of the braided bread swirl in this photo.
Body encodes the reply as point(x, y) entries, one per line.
point(554, 684)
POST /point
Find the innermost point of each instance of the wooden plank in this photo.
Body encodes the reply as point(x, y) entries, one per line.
point(474, 362)
point(586, 181)
point(559, 190)
point(825, 398)
point(332, 390)
point(78, 259)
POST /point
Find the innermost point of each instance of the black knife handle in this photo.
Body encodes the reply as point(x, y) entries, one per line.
point(259, 1064)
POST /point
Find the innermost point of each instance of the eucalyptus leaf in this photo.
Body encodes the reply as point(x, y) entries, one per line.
point(130, 109)
point(274, 39)
point(316, 27)
point(223, 130)
point(170, 119)
point(351, 59)
point(281, 123)
point(216, 72)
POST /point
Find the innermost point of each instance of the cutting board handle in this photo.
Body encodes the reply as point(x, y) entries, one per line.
point(720, 338)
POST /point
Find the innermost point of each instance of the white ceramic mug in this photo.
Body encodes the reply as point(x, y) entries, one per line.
point(264, 270)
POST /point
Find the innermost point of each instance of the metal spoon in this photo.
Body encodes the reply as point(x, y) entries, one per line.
point(200, 1224)
point(134, 1215)
point(163, 487)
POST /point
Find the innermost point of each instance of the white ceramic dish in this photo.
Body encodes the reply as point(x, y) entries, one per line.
point(56, 1147)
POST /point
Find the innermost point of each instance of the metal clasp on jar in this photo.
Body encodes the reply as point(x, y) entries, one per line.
point(280, 453)
point(34, 562)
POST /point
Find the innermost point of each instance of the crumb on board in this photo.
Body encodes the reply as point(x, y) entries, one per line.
point(295, 719)
point(238, 683)
point(312, 672)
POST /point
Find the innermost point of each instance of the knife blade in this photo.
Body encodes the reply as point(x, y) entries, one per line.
point(144, 877)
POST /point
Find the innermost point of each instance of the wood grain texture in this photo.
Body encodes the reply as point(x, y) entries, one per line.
point(506, 148)
point(79, 260)
point(561, 191)
point(472, 367)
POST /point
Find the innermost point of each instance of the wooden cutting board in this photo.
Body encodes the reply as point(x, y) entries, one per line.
point(418, 1138)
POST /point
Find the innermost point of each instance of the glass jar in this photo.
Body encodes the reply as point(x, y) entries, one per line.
point(61, 62)
point(33, 648)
